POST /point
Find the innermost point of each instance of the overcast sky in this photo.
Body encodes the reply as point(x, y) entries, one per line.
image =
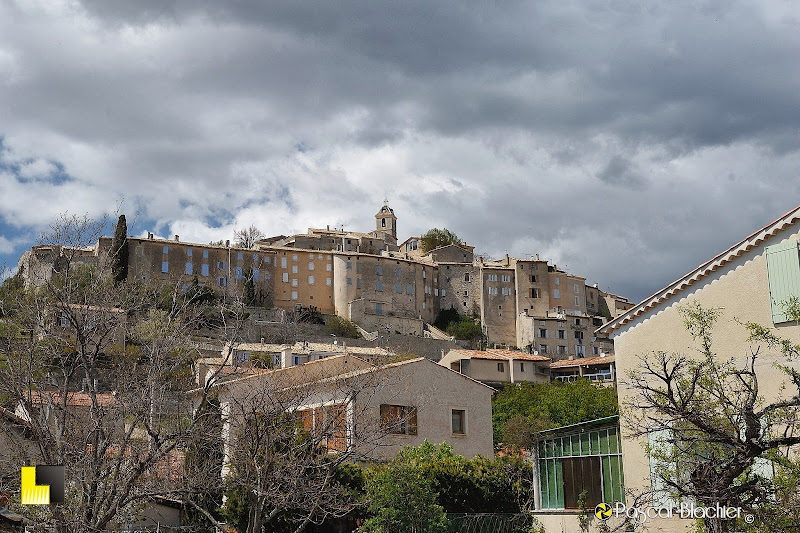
point(626, 141)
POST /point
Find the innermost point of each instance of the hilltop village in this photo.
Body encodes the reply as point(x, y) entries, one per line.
point(381, 285)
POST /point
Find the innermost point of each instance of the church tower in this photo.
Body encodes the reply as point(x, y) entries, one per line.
point(386, 224)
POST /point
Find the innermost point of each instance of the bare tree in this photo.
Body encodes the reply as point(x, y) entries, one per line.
point(247, 237)
point(710, 428)
point(100, 373)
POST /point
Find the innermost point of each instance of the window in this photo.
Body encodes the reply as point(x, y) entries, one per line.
point(238, 272)
point(255, 274)
point(311, 266)
point(349, 281)
point(164, 267)
point(410, 288)
point(189, 269)
point(580, 350)
point(505, 279)
point(311, 256)
point(458, 424)
point(501, 367)
point(562, 350)
point(522, 367)
point(286, 277)
point(255, 257)
point(579, 335)
point(328, 267)
point(443, 292)
point(556, 293)
point(398, 288)
point(506, 291)
point(535, 293)
point(783, 276)
point(466, 276)
point(205, 254)
point(577, 321)
point(283, 262)
point(294, 257)
point(492, 290)
point(379, 285)
point(557, 281)
point(399, 272)
point(188, 252)
point(588, 462)
point(222, 282)
point(595, 350)
point(543, 348)
point(561, 334)
point(399, 419)
point(533, 279)
point(491, 277)
point(577, 301)
point(294, 269)
point(220, 264)
point(379, 270)
point(294, 295)
point(575, 288)
point(424, 274)
point(328, 281)
point(239, 256)
point(349, 265)
point(166, 249)
point(310, 280)
point(378, 308)
point(294, 282)
point(436, 292)
point(358, 267)
point(204, 270)
point(542, 333)
point(358, 283)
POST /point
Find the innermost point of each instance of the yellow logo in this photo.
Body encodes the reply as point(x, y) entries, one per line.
point(602, 511)
point(51, 489)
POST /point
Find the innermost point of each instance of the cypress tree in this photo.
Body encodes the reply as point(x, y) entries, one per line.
point(119, 251)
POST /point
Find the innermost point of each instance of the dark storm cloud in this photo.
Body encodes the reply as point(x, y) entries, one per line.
point(601, 136)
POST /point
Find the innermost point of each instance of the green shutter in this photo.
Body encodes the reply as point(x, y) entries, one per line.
point(783, 273)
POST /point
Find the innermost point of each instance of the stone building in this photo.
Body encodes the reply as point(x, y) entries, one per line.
point(368, 278)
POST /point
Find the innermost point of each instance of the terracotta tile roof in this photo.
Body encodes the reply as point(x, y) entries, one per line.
point(501, 355)
point(74, 399)
point(715, 263)
point(584, 361)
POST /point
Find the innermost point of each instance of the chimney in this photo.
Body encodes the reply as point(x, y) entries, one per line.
point(149, 236)
point(442, 355)
point(286, 356)
point(227, 243)
point(537, 257)
point(177, 239)
point(507, 260)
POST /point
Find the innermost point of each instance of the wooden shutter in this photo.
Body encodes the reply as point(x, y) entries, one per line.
point(783, 273)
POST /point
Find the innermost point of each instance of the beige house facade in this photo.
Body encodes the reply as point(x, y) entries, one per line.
point(378, 408)
point(746, 284)
point(495, 367)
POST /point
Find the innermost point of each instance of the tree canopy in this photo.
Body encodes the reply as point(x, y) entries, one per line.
point(519, 411)
point(436, 237)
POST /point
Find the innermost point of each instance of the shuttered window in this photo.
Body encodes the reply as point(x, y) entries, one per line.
point(783, 273)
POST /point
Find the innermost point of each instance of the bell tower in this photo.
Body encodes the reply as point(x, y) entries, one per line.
point(386, 224)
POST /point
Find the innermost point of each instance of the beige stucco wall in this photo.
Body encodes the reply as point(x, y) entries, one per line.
point(435, 391)
point(145, 257)
point(741, 290)
point(293, 271)
point(486, 370)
